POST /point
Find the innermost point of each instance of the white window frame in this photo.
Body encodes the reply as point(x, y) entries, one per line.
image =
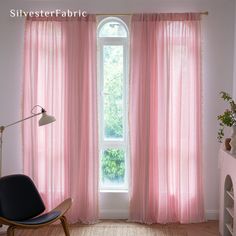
point(113, 143)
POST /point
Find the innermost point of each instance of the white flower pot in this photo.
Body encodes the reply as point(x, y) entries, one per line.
point(233, 140)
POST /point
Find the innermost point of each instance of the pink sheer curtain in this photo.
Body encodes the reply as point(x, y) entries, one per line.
point(60, 75)
point(165, 119)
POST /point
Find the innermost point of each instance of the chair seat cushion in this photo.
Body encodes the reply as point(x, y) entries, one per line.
point(42, 219)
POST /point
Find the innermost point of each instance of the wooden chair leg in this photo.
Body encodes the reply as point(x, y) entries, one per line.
point(65, 225)
point(10, 231)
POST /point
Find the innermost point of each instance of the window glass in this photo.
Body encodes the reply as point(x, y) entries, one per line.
point(112, 74)
point(113, 91)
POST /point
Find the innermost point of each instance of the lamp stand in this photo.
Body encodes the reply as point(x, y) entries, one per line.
point(1, 141)
point(3, 228)
point(45, 119)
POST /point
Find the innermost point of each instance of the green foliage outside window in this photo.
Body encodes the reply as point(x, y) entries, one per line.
point(113, 165)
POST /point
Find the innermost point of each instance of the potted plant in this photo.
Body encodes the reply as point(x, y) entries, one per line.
point(228, 118)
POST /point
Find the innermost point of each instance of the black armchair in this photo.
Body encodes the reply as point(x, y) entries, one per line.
point(21, 205)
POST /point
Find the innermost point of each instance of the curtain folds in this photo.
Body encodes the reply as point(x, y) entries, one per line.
point(165, 113)
point(60, 75)
point(165, 119)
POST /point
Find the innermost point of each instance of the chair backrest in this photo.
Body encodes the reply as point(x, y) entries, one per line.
point(19, 198)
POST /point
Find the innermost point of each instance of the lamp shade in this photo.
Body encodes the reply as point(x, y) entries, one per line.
point(46, 119)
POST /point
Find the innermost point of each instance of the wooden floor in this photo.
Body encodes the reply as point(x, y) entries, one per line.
point(204, 229)
point(122, 228)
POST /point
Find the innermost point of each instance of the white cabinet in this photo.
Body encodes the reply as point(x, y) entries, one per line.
point(227, 164)
point(228, 207)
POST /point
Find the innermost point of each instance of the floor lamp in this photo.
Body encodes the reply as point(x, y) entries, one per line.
point(44, 120)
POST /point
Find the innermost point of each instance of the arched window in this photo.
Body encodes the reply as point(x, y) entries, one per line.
point(112, 38)
point(113, 28)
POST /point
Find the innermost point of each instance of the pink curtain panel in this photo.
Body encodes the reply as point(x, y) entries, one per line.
point(60, 75)
point(166, 119)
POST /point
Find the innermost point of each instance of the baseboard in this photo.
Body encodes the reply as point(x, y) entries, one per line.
point(212, 214)
point(113, 214)
point(123, 214)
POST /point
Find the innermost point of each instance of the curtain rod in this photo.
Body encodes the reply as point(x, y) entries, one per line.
point(129, 14)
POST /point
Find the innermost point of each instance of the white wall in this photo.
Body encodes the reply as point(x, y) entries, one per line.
point(234, 77)
point(218, 42)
